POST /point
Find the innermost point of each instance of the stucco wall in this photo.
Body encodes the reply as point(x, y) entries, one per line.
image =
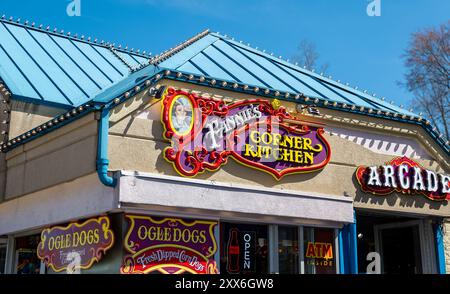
point(60, 156)
point(25, 116)
point(80, 198)
point(446, 231)
point(136, 144)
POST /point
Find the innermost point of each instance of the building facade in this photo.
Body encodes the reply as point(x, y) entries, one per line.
point(212, 157)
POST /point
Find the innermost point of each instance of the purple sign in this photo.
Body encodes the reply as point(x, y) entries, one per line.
point(169, 246)
point(81, 244)
point(205, 132)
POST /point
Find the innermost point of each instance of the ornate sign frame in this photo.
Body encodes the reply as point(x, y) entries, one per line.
point(96, 231)
point(155, 245)
point(191, 154)
point(362, 175)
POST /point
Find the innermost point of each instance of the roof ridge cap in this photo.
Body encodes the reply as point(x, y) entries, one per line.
point(168, 53)
point(68, 35)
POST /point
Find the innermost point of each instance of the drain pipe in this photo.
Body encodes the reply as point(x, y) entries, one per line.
point(439, 243)
point(102, 149)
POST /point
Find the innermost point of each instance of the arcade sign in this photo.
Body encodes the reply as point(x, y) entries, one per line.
point(77, 244)
point(403, 175)
point(169, 246)
point(205, 132)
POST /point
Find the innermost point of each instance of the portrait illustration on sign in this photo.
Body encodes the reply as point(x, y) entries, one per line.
point(181, 116)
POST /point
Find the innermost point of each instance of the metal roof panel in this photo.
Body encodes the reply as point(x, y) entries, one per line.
point(29, 67)
point(205, 62)
point(233, 63)
point(220, 57)
point(69, 65)
point(17, 80)
point(189, 67)
point(45, 67)
point(189, 52)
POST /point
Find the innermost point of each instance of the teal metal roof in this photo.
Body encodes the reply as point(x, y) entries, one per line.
point(46, 66)
point(222, 58)
point(207, 59)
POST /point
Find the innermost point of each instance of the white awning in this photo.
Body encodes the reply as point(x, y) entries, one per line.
point(154, 192)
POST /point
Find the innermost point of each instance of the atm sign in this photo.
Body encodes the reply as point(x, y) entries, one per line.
point(319, 250)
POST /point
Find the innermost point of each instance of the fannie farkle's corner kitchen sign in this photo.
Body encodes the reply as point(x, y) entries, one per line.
point(406, 176)
point(169, 246)
point(205, 132)
point(88, 241)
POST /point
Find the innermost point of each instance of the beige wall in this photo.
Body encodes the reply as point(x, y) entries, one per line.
point(26, 116)
point(60, 156)
point(136, 144)
point(5, 105)
point(446, 232)
point(2, 176)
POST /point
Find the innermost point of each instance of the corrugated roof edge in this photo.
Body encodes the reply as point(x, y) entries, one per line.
point(141, 84)
point(71, 36)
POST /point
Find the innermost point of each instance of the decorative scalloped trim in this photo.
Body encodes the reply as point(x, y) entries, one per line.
point(247, 89)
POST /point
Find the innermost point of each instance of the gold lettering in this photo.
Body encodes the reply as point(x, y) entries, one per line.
point(307, 146)
point(254, 137)
point(176, 235)
point(96, 235)
point(266, 138)
point(288, 142)
point(68, 237)
point(167, 234)
point(185, 236)
point(276, 139)
point(309, 157)
point(142, 232)
point(76, 239)
point(249, 151)
point(195, 236)
point(202, 237)
point(51, 243)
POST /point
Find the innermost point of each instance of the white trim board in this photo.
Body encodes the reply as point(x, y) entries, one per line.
point(83, 197)
point(193, 194)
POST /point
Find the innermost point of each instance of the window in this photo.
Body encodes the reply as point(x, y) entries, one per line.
point(288, 250)
point(3, 244)
point(244, 249)
point(319, 251)
point(27, 261)
point(251, 248)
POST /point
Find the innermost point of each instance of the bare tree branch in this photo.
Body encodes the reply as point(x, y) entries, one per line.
point(428, 74)
point(307, 56)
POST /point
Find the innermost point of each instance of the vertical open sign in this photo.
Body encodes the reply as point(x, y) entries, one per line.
point(248, 244)
point(241, 250)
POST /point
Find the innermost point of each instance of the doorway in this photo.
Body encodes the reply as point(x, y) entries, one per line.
point(400, 244)
point(399, 247)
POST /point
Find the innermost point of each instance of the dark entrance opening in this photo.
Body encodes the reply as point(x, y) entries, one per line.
point(401, 250)
point(395, 238)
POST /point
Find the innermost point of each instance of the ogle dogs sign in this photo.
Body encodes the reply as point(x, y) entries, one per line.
point(89, 240)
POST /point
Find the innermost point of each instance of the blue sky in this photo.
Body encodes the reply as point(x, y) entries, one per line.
point(361, 50)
